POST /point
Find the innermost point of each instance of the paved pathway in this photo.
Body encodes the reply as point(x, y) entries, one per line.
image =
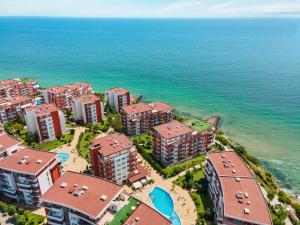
point(187, 213)
point(75, 163)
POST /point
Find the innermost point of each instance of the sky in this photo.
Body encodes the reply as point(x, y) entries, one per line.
point(151, 8)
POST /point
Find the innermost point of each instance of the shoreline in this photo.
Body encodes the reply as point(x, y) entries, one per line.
point(215, 121)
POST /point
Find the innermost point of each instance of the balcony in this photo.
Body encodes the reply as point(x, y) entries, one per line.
point(56, 217)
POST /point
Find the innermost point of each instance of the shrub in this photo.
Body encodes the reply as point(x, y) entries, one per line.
point(11, 210)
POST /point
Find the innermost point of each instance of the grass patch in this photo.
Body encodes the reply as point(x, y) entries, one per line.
point(83, 145)
point(50, 145)
point(197, 124)
point(196, 181)
point(124, 213)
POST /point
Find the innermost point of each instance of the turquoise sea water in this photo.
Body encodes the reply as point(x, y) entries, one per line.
point(245, 70)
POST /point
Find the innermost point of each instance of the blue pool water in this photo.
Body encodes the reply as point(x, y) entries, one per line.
point(164, 204)
point(39, 101)
point(63, 157)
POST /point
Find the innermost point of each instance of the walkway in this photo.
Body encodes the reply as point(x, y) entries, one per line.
point(184, 207)
point(75, 163)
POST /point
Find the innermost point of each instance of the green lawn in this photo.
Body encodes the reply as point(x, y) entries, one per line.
point(197, 124)
point(173, 170)
point(50, 145)
point(83, 145)
point(124, 213)
point(200, 197)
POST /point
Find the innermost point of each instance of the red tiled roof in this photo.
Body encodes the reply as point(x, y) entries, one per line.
point(78, 85)
point(7, 141)
point(8, 82)
point(55, 89)
point(244, 195)
point(89, 202)
point(160, 106)
point(30, 163)
point(173, 129)
point(145, 215)
point(142, 173)
point(86, 99)
point(118, 90)
point(113, 143)
point(229, 164)
point(14, 100)
point(137, 108)
point(42, 109)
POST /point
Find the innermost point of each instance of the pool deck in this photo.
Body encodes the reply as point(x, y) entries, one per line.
point(186, 213)
point(75, 163)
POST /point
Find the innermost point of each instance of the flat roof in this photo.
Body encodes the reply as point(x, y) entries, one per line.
point(88, 194)
point(8, 82)
point(87, 99)
point(42, 109)
point(7, 141)
point(137, 108)
point(173, 129)
point(198, 125)
point(78, 85)
point(160, 106)
point(14, 100)
point(145, 215)
point(244, 200)
point(118, 90)
point(27, 161)
point(229, 163)
point(55, 89)
point(113, 143)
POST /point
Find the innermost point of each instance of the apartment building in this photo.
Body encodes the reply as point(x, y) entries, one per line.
point(88, 109)
point(8, 145)
point(28, 174)
point(62, 96)
point(161, 113)
point(113, 157)
point(117, 98)
point(80, 199)
point(46, 121)
point(139, 118)
point(236, 195)
point(13, 107)
point(174, 142)
point(12, 88)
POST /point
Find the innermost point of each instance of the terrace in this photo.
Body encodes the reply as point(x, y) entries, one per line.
point(198, 125)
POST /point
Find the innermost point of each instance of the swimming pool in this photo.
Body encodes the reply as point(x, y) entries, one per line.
point(163, 202)
point(63, 157)
point(39, 101)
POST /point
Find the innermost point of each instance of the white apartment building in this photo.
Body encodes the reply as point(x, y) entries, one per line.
point(46, 121)
point(28, 174)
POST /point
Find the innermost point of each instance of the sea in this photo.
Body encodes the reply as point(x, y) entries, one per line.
point(247, 71)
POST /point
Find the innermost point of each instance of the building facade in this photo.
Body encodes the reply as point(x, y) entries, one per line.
point(236, 195)
point(8, 145)
point(174, 142)
point(46, 121)
point(113, 157)
point(28, 174)
point(88, 109)
point(12, 108)
point(117, 98)
point(62, 96)
point(80, 199)
point(139, 118)
point(12, 88)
